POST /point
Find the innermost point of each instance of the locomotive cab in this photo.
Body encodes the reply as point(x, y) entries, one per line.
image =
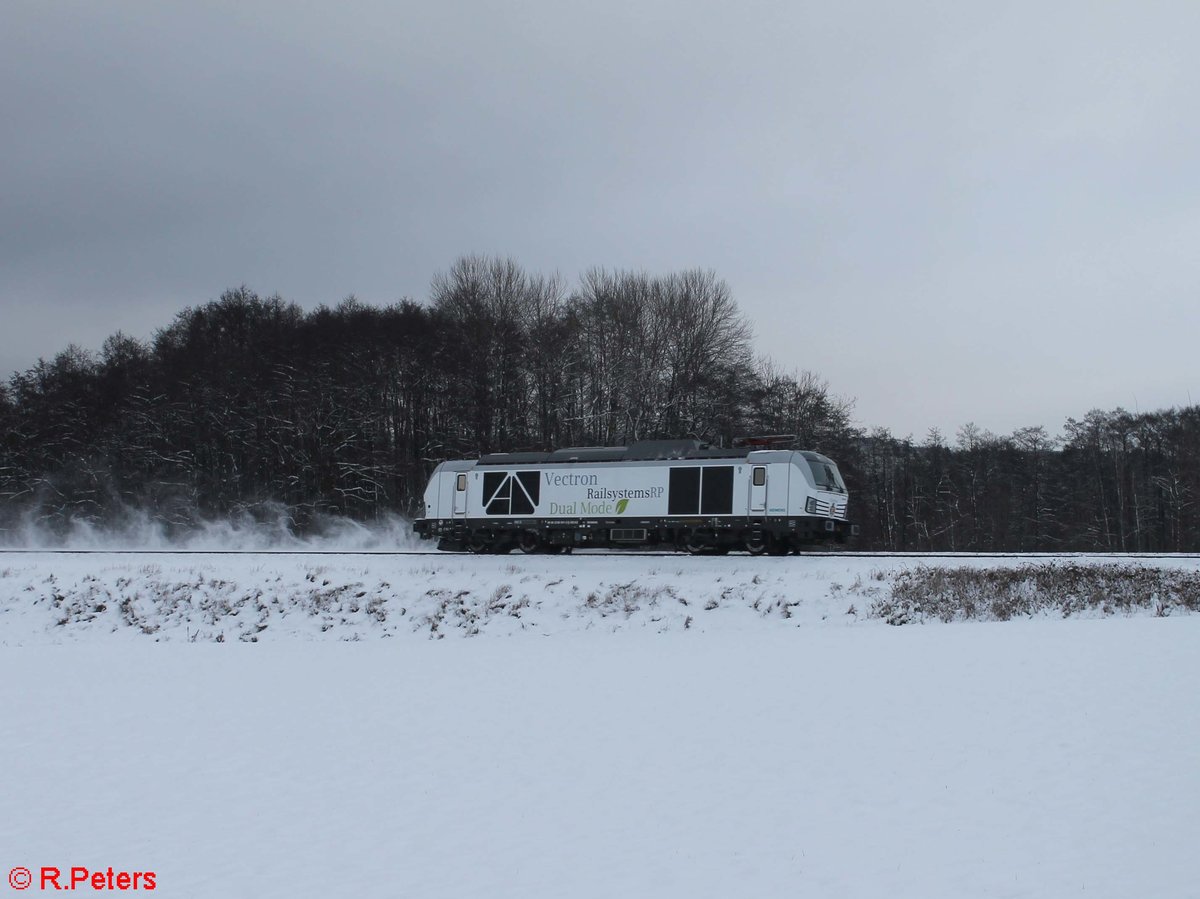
point(827, 497)
point(825, 474)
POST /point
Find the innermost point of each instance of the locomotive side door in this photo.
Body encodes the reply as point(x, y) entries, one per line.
point(460, 494)
point(758, 490)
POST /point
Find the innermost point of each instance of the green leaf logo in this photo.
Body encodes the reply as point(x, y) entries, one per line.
point(621, 504)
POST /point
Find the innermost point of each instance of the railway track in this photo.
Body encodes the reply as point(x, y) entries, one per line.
point(640, 554)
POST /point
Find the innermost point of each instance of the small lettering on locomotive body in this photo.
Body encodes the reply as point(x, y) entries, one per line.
point(584, 507)
point(625, 493)
point(570, 480)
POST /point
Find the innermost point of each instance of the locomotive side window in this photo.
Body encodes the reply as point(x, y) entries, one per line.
point(706, 490)
point(716, 490)
point(683, 496)
point(760, 477)
point(462, 482)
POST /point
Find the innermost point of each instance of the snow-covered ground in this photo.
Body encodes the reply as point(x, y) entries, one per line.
point(51, 598)
point(617, 727)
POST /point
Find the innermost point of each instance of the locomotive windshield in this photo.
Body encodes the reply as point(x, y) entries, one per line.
point(825, 473)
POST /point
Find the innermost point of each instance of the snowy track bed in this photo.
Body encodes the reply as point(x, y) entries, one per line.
point(48, 598)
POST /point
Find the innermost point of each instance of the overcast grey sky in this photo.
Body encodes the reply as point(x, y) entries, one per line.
point(952, 211)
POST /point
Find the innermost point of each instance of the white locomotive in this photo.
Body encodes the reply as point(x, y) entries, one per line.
point(675, 493)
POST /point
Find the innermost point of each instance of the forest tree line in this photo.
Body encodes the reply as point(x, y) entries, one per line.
point(249, 401)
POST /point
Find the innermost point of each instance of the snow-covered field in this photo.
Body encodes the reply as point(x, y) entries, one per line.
point(52, 598)
point(617, 726)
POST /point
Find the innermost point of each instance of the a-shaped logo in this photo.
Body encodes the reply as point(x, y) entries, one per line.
point(511, 493)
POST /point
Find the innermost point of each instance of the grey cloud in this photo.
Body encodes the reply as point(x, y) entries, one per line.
point(951, 212)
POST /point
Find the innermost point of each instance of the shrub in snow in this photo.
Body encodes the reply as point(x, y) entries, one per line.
point(998, 594)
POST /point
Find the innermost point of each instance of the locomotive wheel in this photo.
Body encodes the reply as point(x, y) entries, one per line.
point(479, 542)
point(530, 542)
point(778, 546)
point(756, 543)
point(695, 542)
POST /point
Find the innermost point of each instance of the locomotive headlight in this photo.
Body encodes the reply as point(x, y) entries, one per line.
point(810, 505)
